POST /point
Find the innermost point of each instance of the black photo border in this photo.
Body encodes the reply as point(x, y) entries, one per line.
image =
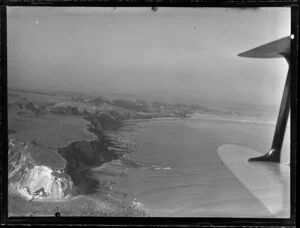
point(142, 221)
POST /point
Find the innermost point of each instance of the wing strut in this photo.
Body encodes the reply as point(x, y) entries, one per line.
point(275, 49)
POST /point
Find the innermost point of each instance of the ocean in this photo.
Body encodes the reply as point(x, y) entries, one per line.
point(176, 170)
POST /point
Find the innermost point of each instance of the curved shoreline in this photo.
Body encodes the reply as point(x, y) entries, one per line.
point(109, 145)
point(88, 151)
point(243, 119)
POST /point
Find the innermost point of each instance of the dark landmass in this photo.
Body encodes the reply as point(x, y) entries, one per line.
point(56, 137)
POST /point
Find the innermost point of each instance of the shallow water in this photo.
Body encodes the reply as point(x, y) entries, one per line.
point(176, 170)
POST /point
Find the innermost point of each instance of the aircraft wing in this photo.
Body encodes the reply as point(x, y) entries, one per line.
point(264, 176)
point(268, 182)
point(275, 49)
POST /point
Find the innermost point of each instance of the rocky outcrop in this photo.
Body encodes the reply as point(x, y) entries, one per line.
point(82, 155)
point(105, 121)
point(35, 182)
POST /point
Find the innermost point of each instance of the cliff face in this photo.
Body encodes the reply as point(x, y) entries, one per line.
point(82, 155)
point(36, 182)
point(32, 181)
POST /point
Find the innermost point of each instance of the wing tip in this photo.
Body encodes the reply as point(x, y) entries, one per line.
point(274, 49)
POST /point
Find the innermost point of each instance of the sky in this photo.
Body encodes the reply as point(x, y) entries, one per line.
point(189, 53)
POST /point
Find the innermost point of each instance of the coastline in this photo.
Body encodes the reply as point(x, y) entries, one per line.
point(143, 184)
point(106, 153)
point(103, 150)
point(118, 145)
point(243, 119)
point(113, 174)
point(122, 145)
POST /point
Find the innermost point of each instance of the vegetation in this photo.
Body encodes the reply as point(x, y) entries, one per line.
point(69, 133)
point(80, 206)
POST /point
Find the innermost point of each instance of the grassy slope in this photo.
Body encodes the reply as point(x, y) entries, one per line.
point(48, 131)
point(51, 131)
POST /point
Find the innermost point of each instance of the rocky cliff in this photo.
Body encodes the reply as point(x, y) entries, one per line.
point(81, 155)
point(37, 182)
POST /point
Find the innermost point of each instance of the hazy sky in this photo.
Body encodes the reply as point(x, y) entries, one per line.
point(189, 52)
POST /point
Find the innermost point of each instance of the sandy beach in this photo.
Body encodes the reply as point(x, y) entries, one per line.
point(172, 167)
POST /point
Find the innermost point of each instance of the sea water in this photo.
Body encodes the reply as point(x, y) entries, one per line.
point(178, 171)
